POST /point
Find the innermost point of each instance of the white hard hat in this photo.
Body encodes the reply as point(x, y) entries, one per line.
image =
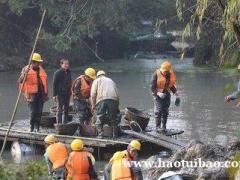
point(101, 72)
point(173, 175)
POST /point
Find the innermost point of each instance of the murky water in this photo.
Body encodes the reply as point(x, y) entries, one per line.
point(203, 114)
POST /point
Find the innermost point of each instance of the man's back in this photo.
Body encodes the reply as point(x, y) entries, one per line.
point(104, 88)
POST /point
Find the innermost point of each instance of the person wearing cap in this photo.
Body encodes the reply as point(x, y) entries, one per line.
point(105, 101)
point(62, 82)
point(55, 156)
point(234, 95)
point(163, 82)
point(33, 84)
point(81, 89)
point(80, 163)
point(120, 166)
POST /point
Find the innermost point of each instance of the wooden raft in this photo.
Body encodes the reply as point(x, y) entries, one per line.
point(20, 131)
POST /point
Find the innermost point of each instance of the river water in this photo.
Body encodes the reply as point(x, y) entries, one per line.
point(203, 114)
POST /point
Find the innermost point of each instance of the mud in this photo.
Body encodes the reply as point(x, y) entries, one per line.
point(206, 152)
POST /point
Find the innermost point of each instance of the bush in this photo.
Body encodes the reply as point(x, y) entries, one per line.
point(32, 170)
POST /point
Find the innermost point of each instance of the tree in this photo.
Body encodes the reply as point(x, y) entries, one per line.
point(76, 27)
point(215, 17)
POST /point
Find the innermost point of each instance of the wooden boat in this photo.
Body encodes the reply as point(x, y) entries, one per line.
point(53, 109)
point(91, 131)
point(66, 129)
point(48, 121)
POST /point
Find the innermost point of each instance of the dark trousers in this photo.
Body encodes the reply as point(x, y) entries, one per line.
point(161, 110)
point(62, 108)
point(83, 111)
point(36, 108)
point(108, 113)
point(59, 174)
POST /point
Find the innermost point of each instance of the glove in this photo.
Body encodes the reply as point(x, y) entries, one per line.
point(161, 95)
point(177, 101)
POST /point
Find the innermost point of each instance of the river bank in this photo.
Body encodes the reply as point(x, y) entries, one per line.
point(201, 161)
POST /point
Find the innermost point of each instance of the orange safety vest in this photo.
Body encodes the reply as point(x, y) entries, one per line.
point(57, 154)
point(161, 81)
point(85, 88)
point(30, 85)
point(78, 166)
point(119, 169)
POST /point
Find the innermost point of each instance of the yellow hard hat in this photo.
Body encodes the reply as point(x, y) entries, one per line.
point(37, 57)
point(49, 139)
point(90, 72)
point(166, 66)
point(135, 144)
point(77, 145)
point(101, 72)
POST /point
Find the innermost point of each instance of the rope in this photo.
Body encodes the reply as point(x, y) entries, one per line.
point(19, 94)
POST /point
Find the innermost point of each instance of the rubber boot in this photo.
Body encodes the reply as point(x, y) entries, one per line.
point(37, 125)
point(37, 129)
point(59, 118)
point(158, 121)
point(31, 127)
point(80, 118)
point(164, 123)
point(115, 132)
point(100, 132)
point(65, 118)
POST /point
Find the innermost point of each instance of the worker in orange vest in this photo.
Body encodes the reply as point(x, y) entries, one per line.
point(56, 156)
point(120, 166)
point(81, 89)
point(162, 83)
point(80, 164)
point(33, 84)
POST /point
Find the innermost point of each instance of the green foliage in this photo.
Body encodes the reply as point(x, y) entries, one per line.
point(32, 170)
point(71, 24)
point(17, 6)
point(179, 6)
point(211, 17)
point(228, 88)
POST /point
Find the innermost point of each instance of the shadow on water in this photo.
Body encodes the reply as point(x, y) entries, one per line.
point(203, 114)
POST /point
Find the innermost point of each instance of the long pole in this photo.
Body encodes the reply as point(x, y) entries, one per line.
point(24, 79)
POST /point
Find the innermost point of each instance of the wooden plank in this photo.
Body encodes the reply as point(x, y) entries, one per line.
point(154, 140)
point(166, 138)
point(39, 137)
